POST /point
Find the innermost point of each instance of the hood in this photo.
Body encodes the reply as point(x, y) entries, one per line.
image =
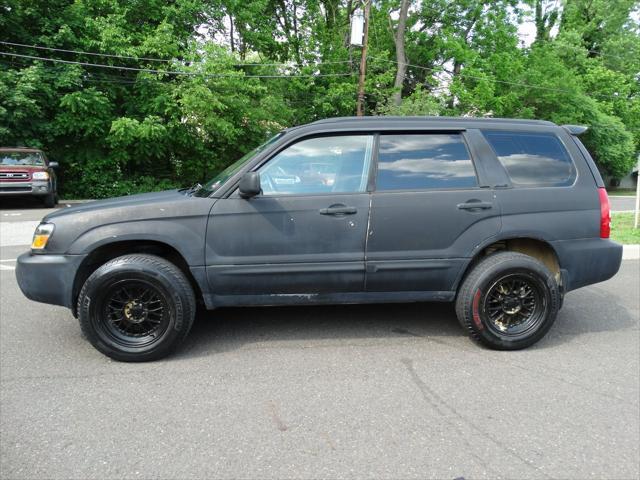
point(125, 206)
point(22, 168)
point(148, 215)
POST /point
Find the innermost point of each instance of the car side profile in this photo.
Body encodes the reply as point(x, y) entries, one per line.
point(502, 217)
point(28, 172)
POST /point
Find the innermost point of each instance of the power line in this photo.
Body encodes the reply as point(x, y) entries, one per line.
point(40, 47)
point(506, 82)
point(126, 57)
point(170, 72)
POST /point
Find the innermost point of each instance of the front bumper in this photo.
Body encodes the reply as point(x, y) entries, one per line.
point(25, 188)
point(48, 278)
point(587, 261)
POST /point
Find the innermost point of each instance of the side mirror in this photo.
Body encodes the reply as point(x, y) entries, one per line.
point(54, 164)
point(250, 185)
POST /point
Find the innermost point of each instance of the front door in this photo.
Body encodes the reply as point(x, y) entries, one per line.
point(305, 233)
point(427, 213)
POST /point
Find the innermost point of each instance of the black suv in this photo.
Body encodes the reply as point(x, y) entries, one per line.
point(501, 216)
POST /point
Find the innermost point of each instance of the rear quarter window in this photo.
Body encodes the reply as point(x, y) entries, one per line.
point(533, 158)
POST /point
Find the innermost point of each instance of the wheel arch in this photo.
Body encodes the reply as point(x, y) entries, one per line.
point(108, 251)
point(533, 246)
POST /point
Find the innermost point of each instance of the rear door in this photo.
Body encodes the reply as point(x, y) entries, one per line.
point(305, 233)
point(428, 212)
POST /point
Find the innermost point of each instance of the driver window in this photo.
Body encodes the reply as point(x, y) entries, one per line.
point(336, 164)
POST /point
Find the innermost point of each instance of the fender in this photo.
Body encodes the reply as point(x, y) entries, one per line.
point(186, 236)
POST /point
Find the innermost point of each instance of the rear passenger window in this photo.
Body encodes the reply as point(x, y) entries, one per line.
point(533, 158)
point(424, 161)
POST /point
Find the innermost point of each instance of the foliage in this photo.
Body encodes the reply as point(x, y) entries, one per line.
point(248, 69)
point(622, 229)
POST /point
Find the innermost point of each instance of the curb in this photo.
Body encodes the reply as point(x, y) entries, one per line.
point(631, 252)
point(74, 202)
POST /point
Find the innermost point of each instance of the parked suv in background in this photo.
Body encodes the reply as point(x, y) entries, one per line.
point(502, 217)
point(27, 171)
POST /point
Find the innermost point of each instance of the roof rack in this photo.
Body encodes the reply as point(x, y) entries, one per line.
point(382, 118)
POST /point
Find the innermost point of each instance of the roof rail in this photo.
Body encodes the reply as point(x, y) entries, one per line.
point(575, 129)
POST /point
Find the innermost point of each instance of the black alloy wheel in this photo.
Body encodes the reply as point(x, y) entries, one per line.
point(136, 313)
point(514, 304)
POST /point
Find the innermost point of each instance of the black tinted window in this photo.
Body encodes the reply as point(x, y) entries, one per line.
point(422, 161)
point(533, 158)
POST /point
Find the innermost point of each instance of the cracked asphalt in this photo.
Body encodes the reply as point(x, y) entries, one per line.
point(383, 391)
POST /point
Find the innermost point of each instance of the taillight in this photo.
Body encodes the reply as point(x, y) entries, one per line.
point(605, 213)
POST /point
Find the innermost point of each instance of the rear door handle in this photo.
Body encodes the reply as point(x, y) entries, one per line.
point(471, 205)
point(338, 210)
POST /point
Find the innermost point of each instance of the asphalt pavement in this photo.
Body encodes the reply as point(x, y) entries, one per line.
point(383, 391)
point(622, 204)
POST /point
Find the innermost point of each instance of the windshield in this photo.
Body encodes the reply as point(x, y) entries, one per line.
point(21, 158)
point(217, 181)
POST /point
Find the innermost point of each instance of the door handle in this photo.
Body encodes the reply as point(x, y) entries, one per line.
point(338, 210)
point(471, 205)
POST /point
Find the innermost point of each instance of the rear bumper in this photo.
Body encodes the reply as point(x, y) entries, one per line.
point(48, 278)
point(25, 188)
point(587, 261)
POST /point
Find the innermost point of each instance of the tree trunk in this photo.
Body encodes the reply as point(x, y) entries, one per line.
point(544, 21)
point(347, 37)
point(233, 46)
point(400, 52)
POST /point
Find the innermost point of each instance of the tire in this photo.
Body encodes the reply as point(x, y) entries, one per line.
point(49, 200)
point(508, 301)
point(136, 308)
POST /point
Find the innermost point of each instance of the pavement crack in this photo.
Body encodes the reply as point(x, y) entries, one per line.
point(442, 407)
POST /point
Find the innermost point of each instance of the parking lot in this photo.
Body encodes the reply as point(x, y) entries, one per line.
point(382, 391)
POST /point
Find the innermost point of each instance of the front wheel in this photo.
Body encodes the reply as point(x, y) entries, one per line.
point(136, 308)
point(49, 200)
point(508, 301)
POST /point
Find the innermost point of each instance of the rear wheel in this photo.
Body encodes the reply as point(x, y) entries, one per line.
point(508, 301)
point(136, 308)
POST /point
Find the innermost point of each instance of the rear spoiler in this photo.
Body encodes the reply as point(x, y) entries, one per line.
point(575, 129)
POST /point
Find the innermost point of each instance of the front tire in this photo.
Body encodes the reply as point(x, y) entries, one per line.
point(136, 308)
point(49, 200)
point(508, 301)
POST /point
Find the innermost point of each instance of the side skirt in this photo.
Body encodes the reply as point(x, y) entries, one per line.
point(214, 301)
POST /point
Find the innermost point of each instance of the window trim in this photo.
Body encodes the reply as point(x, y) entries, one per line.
point(514, 184)
point(460, 133)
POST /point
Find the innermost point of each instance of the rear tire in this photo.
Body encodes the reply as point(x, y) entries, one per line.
point(508, 301)
point(136, 308)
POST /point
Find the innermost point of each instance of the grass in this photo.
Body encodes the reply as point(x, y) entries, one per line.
point(622, 230)
point(622, 191)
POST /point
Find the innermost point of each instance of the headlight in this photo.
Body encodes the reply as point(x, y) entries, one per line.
point(40, 175)
point(41, 236)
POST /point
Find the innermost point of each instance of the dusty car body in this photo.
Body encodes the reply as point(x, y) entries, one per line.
point(503, 217)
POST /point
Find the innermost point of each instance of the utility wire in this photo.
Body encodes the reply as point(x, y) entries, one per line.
point(106, 78)
point(506, 82)
point(148, 59)
point(170, 72)
point(126, 57)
